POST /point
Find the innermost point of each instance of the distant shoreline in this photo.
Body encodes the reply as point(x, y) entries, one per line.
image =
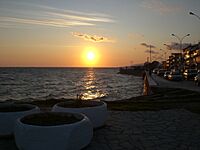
point(133, 70)
point(59, 67)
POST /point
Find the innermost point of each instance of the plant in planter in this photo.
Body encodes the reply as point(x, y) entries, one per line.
point(96, 111)
point(53, 130)
point(10, 112)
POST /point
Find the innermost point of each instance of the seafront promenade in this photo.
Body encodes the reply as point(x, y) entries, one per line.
point(188, 85)
point(158, 81)
point(162, 130)
point(143, 130)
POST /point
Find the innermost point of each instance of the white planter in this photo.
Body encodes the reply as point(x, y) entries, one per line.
point(10, 112)
point(65, 136)
point(97, 112)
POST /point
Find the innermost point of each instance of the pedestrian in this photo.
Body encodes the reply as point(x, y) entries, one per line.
point(150, 72)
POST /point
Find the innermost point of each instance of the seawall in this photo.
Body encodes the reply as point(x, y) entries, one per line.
point(148, 84)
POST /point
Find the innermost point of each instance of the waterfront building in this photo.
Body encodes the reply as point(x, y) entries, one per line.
point(191, 55)
point(174, 61)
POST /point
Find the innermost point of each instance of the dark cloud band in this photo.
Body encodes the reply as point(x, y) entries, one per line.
point(93, 38)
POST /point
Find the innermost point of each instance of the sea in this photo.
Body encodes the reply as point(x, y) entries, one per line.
point(29, 84)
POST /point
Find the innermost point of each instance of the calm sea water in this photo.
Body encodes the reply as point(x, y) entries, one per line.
point(46, 83)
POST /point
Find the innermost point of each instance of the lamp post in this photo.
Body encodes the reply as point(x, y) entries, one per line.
point(150, 49)
point(150, 53)
point(169, 48)
point(180, 39)
point(165, 53)
point(191, 13)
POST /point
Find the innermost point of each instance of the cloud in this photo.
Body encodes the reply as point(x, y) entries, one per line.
point(50, 22)
point(68, 11)
point(176, 46)
point(92, 38)
point(160, 7)
point(147, 45)
point(49, 16)
point(82, 18)
point(152, 51)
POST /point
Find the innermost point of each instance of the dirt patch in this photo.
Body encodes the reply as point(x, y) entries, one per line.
point(79, 104)
point(50, 119)
point(14, 107)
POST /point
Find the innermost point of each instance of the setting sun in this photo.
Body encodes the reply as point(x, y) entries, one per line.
point(90, 56)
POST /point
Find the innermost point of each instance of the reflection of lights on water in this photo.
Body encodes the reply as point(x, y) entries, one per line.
point(91, 89)
point(89, 95)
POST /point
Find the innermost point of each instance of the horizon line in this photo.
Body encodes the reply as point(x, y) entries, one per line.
point(53, 67)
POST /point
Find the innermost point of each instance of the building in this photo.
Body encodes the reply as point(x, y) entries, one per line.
point(174, 61)
point(191, 55)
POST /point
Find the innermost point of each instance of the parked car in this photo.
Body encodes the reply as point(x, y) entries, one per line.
point(166, 74)
point(175, 76)
point(197, 79)
point(190, 74)
point(161, 72)
point(155, 70)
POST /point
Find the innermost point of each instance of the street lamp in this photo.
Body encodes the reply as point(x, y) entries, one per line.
point(180, 42)
point(168, 47)
point(191, 13)
point(164, 54)
point(150, 52)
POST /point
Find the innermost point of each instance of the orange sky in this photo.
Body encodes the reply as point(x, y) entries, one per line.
point(61, 57)
point(57, 33)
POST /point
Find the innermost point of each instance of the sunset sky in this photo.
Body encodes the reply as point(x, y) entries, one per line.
point(61, 33)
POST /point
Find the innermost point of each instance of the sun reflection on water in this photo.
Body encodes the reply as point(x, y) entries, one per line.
point(91, 89)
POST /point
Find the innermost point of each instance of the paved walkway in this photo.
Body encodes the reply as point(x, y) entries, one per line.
point(161, 130)
point(188, 85)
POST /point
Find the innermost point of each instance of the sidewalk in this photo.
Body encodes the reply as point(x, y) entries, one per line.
point(188, 85)
point(160, 130)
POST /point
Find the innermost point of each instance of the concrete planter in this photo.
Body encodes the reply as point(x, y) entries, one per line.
point(53, 131)
point(9, 114)
point(96, 111)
